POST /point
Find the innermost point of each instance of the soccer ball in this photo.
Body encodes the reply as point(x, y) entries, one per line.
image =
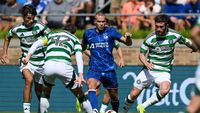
point(110, 111)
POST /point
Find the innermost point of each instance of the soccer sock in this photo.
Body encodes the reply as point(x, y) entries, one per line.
point(103, 108)
point(127, 104)
point(26, 107)
point(156, 97)
point(93, 98)
point(85, 104)
point(115, 105)
point(44, 105)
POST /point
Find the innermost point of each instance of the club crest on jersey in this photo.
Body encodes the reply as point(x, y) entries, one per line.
point(158, 49)
point(105, 36)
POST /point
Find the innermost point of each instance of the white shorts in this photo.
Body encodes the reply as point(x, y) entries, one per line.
point(60, 70)
point(146, 77)
point(37, 72)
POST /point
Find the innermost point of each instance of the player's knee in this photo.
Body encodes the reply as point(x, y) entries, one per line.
point(164, 92)
point(29, 81)
point(191, 110)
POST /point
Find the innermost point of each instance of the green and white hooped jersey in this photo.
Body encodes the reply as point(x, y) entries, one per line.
point(160, 50)
point(60, 46)
point(27, 37)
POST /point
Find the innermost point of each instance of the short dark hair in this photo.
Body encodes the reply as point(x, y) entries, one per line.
point(101, 13)
point(70, 27)
point(28, 9)
point(161, 18)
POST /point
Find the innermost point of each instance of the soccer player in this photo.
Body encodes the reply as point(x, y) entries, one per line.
point(57, 64)
point(106, 97)
point(28, 32)
point(194, 105)
point(157, 56)
point(101, 65)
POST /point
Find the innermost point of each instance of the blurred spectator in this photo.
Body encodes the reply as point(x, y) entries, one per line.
point(149, 7)
point(10, 10)
point(193, 6)
point(22, 1)
point(89, 8)
point(123, 1)
point(176, 22)
point(2, 2)
point(77, 6)
point(115, 7)
point(55, 14)
point(183, 2)
point(46, 1)
point(160, 2)
point(38, 4)
point(130, 7)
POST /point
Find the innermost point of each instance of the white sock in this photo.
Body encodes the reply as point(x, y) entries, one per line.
point(127, 104)
point(155, 98)
point(26, 107)
point(44, 105)
point(87, 106)
point(103, 108)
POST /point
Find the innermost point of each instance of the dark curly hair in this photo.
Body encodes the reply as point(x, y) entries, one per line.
point(28, 9)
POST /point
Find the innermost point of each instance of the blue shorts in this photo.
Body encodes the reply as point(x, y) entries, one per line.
point(108, 79)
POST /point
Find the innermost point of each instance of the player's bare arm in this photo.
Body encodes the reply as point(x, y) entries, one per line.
point(144, 61)
point(195, 36)
point(121, 59)
point(4, 56)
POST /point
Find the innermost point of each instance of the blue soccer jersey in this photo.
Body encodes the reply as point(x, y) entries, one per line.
point(101, 45)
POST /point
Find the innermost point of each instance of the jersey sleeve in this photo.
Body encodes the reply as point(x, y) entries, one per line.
point(77, 47)
point(144, 47)
point(115, 34)
point(183, 40)
point(10, 34)
point(45, 29)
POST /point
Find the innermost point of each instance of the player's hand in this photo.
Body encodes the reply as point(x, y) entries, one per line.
point(4, 59)
point(25, 61)
point(150, 66)
point(127, 34)
point(80, 80)
point(195, 50)
point(121, 63)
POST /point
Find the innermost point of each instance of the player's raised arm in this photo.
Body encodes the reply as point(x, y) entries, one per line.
point(188, 43)
point(79, 60)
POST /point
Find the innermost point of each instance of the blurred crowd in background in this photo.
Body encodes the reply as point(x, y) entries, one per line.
point(56, 13)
